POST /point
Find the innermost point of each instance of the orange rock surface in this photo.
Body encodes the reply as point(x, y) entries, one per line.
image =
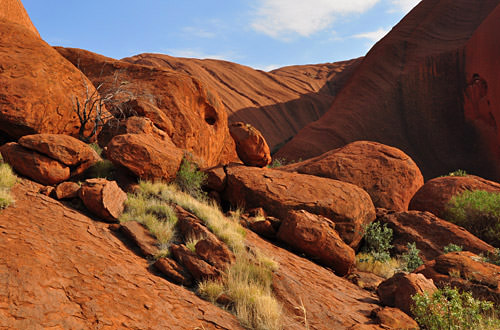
point(13, 10)
point(409, 91)
point(278, 103)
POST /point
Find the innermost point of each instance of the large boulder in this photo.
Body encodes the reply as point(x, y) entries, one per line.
point(408, 92)
point(467, 271)
point(130, 125)
point(251, 146)
point(191, 115)
point(146, 156)
point(388, 175)
point(38, 86)
point(278, 192)
point(66, 149)
point(435, 194)
point(430, 233)
point(35, 166)
point(315, 236)
point(398, 290)
point(103, 198)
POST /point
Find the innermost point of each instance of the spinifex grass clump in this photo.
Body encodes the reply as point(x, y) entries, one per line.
point(190, 180)
point(7, 181)
point(248, 281)
point(478, 212)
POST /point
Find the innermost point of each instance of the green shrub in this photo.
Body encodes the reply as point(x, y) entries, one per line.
point(411, 260)
point(190, 180)
point(447, 308)
point(478, 212)
point(457, 173)
point(101, 169)
point(452, 248)
point(377, 241)
point(96, 148)
point(277, 162)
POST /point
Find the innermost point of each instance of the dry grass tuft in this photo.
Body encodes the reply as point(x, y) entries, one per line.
point(7, 181)
point(365, 262)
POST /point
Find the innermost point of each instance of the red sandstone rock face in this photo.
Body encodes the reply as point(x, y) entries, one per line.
point(408, 92)
point(430, 233)
point(390, 177)
point(278, 103)
point(467, 271)
point(316, 236)
point(251, 146)
point(13, 10)
point(146, 156)
point(279, 192)
point(63, 270)
point(37, 85)
point(169, 99)
point(35, 166)
point(436, 193)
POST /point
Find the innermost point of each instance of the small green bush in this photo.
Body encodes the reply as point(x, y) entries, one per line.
point(447, 308)
point(457, 173)
point(101, 169)
point(277, 162)
point(377, 241)
point(190, 180)
point(411, 260)
point(477, 211)
point(452, 248)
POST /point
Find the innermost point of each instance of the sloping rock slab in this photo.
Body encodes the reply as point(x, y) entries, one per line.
point(141, 236)
point(278, 192)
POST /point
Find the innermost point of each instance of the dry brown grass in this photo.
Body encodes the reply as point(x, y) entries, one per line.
point(366, 263)
point(7, 181)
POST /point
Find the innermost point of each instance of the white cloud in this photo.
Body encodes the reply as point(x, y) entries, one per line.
point(404, 5)
point(284, 18)
point(193, 53)
point(198, 32)
point(373, 35)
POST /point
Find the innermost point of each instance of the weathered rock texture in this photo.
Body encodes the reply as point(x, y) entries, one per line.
point(430, 233)
point(13, 10)
point(278, 103)
point(409, 92)
point(251, 146)
point(103, 198)
point(387, 174)
point(467, 271)
point(60, 269)
point(180, 105)
point(436, 193)
point(38, 86)
point(279, 192)
point(146, 156)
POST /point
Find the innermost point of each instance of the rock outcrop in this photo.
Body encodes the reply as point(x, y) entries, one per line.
point(38, 86)
point(430, 234)
point(436, 193)
point(251, 146)
point(180, 105)
point(13, 11)
point(387, 174)
point(409, 92)
point(278, 103)
point(278, 192)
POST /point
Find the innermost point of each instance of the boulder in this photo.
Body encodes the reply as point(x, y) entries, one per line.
point(387, 174)
point(430, 233)
point(142, 237)
point(191, 114)
point(251, 146)
point(435, 194)
point(67, 190)
point(215, 252)
point(279, 192)
point(174, 272)
point(467, 271)
point(35, 166)
point(38, 86)
point(103, 198)
point(393, 318)
point(197, 267)
point(130, 125)
point(398, 290)
point(66, 149)
point(315, 236)
point(146, 156)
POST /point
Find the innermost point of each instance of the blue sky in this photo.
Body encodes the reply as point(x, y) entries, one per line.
point(263, 34)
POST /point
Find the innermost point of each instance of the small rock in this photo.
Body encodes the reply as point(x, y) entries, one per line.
point(393, 318)
point(173, 271)
point(146, 242)
point(364, 280)
point(103, 198)
point(216, 179)
point(215, 252)
point(66, 190)
point(197, 267)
